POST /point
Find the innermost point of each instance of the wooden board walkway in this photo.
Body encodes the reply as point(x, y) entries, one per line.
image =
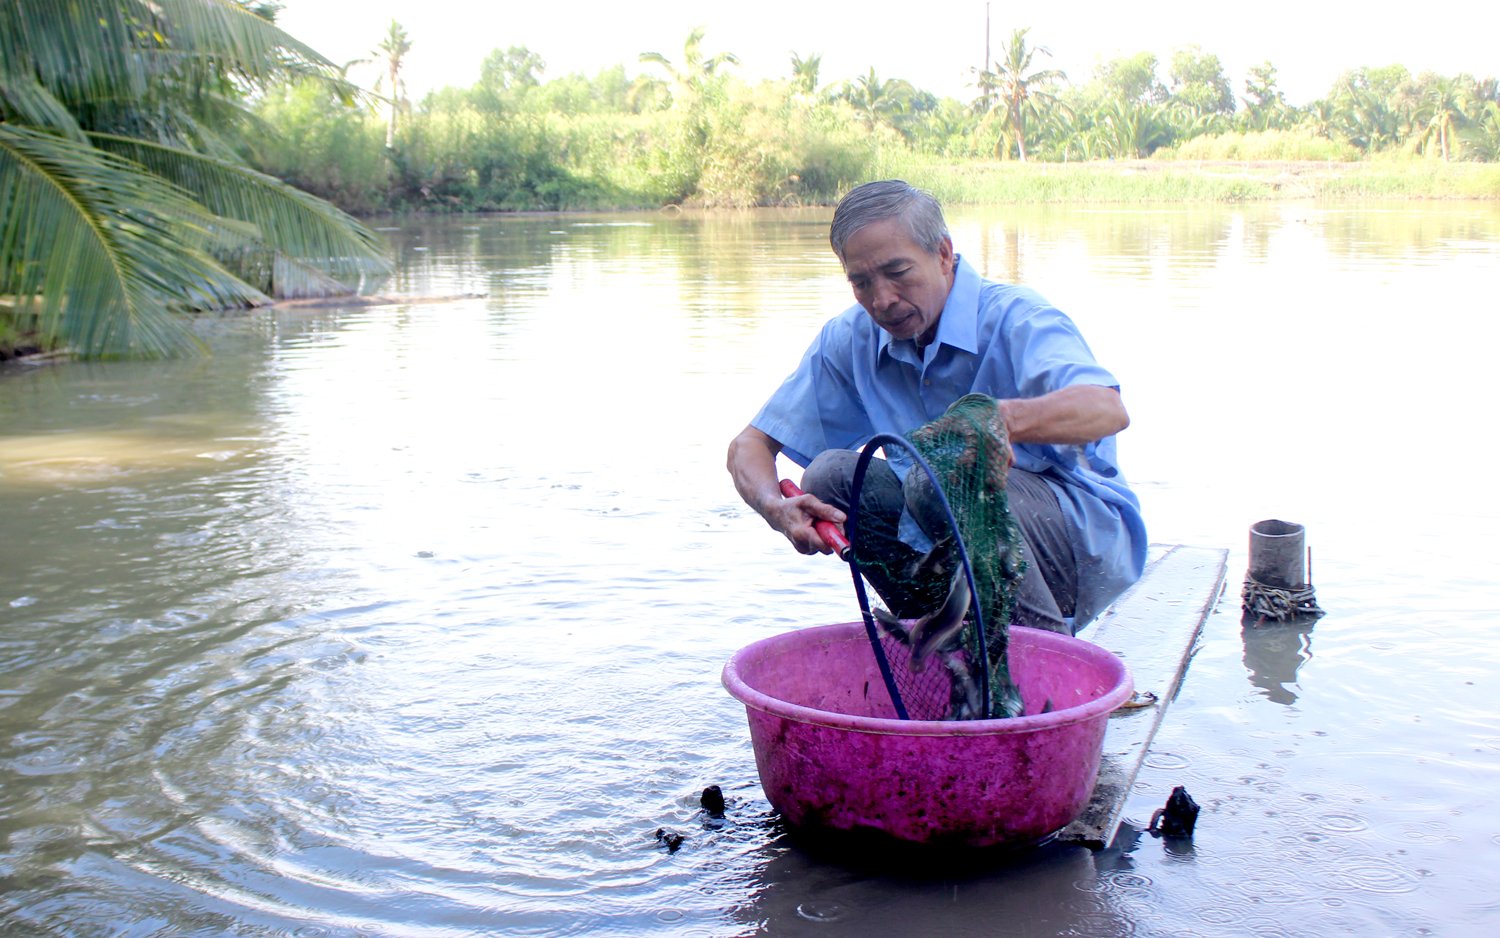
point(1154, 628)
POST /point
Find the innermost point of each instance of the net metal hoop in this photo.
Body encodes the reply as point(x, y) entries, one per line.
point(860, 468)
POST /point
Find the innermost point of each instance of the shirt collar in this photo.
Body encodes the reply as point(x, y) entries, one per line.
point(958, 326)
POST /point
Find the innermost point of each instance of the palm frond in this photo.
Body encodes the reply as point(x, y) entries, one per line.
point(123, 195)
point(104, 251)
point(24, 100)
point(290, 222)
point(121, 50)
point(252, 47)
point(77, 50)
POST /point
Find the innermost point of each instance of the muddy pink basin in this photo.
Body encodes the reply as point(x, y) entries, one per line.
point(832, 755)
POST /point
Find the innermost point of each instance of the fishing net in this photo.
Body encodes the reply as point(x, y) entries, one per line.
point(1262, 602)
point(943, 554)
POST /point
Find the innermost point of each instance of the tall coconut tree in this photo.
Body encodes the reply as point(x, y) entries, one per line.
point(1440, 108)
point(695, 77)
point(124, 195)
point(392, 54)
point(879, 101)
point(805, 74)
point(1015, 87)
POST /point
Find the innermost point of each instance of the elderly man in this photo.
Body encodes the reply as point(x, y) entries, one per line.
point(927, 330)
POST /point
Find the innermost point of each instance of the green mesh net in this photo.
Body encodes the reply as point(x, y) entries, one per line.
point(968, 451)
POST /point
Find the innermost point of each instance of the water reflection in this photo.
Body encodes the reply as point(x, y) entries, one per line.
point(1274, 652)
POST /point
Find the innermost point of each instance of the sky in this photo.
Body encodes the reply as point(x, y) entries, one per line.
point(935, 44)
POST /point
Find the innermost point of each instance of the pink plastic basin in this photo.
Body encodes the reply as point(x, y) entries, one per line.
point(832, 755)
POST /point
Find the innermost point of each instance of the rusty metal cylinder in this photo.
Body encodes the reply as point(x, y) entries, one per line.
point(1278, 554)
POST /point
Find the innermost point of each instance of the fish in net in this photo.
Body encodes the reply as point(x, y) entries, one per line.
point(946, 661)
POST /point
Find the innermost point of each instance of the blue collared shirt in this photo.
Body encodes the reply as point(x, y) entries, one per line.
point(998, 339)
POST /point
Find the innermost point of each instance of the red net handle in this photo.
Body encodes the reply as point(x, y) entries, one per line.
point(827, 530)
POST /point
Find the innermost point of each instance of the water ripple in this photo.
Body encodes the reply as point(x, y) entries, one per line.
point(1342, 823)
point(1373, 875)
point(1166, 760)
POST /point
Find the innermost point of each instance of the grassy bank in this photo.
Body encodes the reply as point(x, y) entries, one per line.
point(1186, 181)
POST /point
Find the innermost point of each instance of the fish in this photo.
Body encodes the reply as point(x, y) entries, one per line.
point(965, 698)
point(892, 626)
point(936, 565)
point(935, 631)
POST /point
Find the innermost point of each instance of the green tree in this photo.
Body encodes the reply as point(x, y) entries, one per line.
point(508, 76)
point(1199, 84)
point(512, 69)
point(1266, 108)
point(1014, 87)
point(1130, 78)
point(123, 193)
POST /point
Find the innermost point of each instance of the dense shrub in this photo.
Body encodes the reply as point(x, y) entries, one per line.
point(1261, 145)
point(324, 146)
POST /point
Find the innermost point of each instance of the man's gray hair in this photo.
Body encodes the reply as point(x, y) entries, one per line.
point(889, 198)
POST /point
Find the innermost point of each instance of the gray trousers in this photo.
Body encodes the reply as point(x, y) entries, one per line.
point(1049, 587)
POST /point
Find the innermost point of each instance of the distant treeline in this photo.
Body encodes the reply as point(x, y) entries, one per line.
point(687, 130)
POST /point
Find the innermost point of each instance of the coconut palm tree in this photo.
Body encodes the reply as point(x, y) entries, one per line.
point(124, 197)
point(805, 74)
point(1131, 129)
point(1365, 105)
point(1482, 137)
point(698, 89)
point(694, 77)
point(1015, 87)
point(1439, 110)
point(392, 51)
point(876, 101)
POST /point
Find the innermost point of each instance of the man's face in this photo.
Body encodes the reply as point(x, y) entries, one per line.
point(897, 282)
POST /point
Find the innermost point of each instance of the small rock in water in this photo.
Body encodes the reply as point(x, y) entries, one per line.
point(669, 839)
point(1178, 818)
point(713, 801)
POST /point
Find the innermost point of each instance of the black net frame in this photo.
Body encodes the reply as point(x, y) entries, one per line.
point(894, 657)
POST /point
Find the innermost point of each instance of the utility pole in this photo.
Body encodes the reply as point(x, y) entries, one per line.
point(985, 65)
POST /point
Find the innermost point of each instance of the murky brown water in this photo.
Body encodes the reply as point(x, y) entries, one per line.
point(408, 620)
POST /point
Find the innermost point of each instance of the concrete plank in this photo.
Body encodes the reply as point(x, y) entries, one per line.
point(1154, 629)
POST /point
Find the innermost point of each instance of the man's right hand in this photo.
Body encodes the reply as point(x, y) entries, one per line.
point(799, 517)
point(752, 465)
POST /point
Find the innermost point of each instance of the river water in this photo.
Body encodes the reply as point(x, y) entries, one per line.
point(409, 619)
